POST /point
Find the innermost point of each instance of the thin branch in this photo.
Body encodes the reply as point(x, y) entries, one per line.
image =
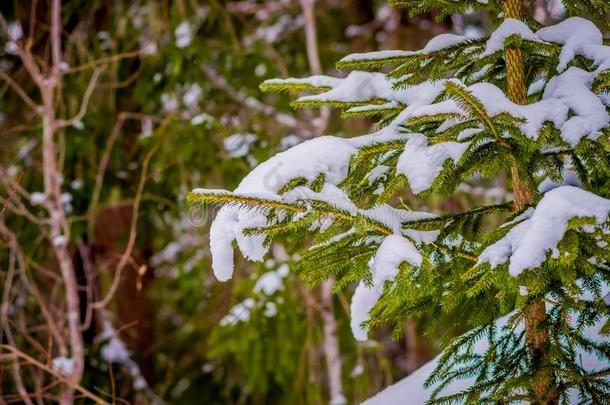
point(6, 329)
point(19, 90)
point(16, 353)
point(104, 61)
point(56, 39)
point(313, 55)
point(84, 102)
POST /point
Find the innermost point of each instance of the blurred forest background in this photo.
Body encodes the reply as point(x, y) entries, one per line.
point(110, 112)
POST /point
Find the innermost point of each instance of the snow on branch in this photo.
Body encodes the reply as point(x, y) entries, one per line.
point(536, 236)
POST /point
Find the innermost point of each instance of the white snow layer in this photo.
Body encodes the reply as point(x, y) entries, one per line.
point(509, 27)
point(527, 244)
point(393, 251)
point(437, 43)
point(421, 163)
point(328, 155)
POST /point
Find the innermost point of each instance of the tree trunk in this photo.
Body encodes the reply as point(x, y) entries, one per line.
point(331, 345)
point(332, 351)
point(537, 338)
point(412, 353)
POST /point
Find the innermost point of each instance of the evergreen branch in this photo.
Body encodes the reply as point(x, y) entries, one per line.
point(443, 219)
point(468, 101)
point(318, 103)
point(452, 251)
point(380, 147)
point(371, 112)
point(226, 198)
point(278, 86)
point(601, 82)
point(325, 208)
point(369, 63)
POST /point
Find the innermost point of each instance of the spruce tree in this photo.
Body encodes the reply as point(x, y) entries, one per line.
point(529, 103)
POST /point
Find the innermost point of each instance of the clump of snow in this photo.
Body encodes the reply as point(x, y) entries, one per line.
point(586, 113)
point(443, 41)
point(270, 309)
point(578, 36)
point(357, 86)
point(393, 251)
point(202, 118)
point(368, 86)
point(76, 184)
point(421, 163)
point(328, 155)
point(169, 102)
point(115, 351)
point(192, 94)
point(373, 107)
point(59, 240)
point(239, 313)
point(509, 27)
point(238, 145)
point(38, 198)
point(338, 399)
point(269, 283)
point(15, 31)
point(184, 34)
point(527, 244)
point(63, 365)
point(358, 370)
point(567, 103)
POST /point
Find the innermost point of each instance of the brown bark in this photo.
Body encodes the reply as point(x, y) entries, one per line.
point(515, 76)
point(537, 338)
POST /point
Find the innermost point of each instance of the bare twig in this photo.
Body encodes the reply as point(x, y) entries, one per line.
point(6, 328)
point(313, 56)
point(84, 102)
point(16, 353)
point(104, 61)
point(19, 90)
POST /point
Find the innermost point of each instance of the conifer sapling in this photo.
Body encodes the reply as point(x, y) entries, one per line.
point(528, 102)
